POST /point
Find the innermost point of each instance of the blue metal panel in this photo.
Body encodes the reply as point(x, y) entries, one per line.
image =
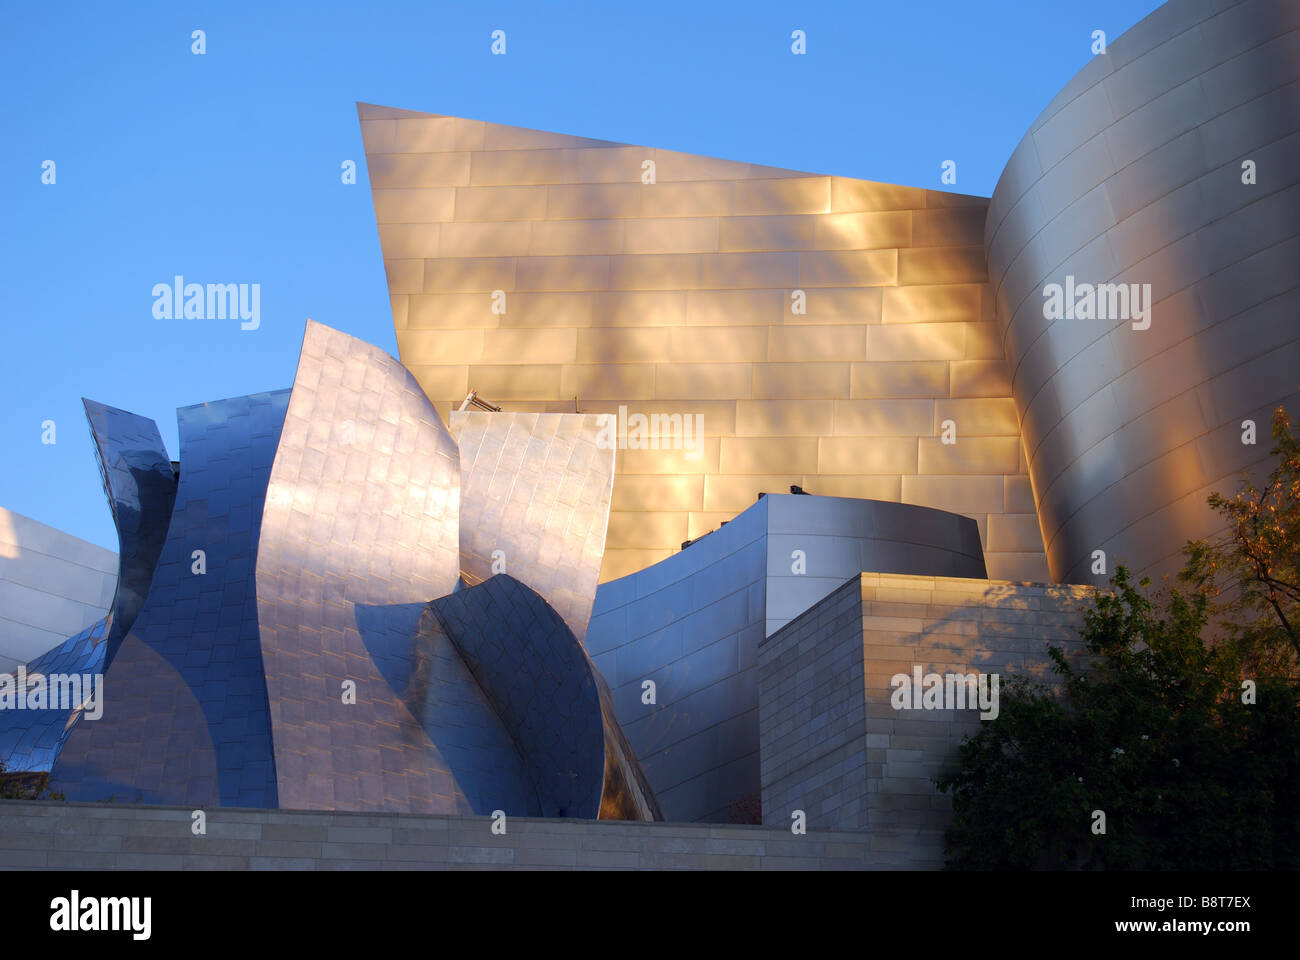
point(550, 697)
point(31, 739)
point(187, 718)
point(140, 485)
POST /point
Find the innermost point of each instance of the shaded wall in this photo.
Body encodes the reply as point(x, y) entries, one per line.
point(834, 746)
point(68, 836)
point(692, 624)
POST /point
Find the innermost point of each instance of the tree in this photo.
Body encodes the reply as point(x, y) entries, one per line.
point(1252, 572)
point(1154, 726)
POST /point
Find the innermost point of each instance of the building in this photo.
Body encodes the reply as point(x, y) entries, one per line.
point(615, 361)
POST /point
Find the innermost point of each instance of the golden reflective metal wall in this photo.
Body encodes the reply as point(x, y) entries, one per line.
point(818, 330)
point(1169, 169)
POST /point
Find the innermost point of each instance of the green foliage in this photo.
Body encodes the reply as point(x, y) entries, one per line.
point(1252, 572)
point(1149, 725)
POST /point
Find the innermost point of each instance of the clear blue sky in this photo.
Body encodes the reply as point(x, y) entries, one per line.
point(225, 167)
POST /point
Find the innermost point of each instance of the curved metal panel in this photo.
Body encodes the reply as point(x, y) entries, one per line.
point(30, 740)
point(54, 586)
point(535, 491)
point(693, 623)
point(1171, 163)
point(549, 696)
point(187, 718)
point(155, 741)
point(140, 485)
point(474, 764)
point(361, 509)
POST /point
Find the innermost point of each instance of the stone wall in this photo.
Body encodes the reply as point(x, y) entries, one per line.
point(46, 835)
point(692, 624)
point(812, 714)
point(832, 743)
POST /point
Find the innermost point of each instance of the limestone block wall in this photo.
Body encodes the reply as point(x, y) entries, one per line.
point(692, 624)
point(42, 835)
point(832, 744)
point(812, 714)
point(540, 270)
